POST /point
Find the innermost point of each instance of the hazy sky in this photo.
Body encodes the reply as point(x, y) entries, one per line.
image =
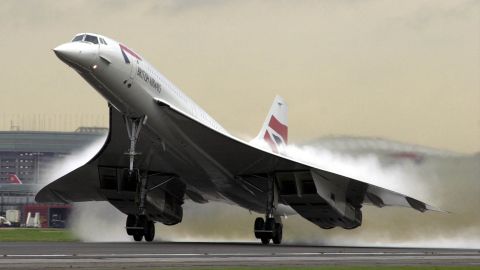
point(403, 70)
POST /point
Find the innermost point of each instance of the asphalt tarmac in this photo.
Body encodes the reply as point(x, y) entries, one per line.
point(161, 255)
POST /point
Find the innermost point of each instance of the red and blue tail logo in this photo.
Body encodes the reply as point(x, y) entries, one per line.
point(275, 128)
point(276, 135)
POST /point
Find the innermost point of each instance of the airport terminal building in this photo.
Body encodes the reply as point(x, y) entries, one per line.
point(30, 155)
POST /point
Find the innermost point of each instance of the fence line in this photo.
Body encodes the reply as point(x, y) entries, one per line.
point(51, 122)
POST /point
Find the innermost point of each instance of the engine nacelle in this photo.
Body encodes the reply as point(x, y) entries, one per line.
point(352, 222)
point(164, 204)
point(164, 196)
point(164, 208)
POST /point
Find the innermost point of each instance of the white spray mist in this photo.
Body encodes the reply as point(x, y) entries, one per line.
point(74, 160)
point(449, 183)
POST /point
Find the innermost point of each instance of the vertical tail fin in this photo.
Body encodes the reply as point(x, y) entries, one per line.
point(275, 128)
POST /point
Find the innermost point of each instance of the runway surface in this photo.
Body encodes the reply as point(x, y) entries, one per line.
point(206, 255)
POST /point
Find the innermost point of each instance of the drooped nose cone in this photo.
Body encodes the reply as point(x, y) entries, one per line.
point(77, 54)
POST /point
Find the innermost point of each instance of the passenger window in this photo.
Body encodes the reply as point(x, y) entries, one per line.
point(78, 38)
point(92, 39)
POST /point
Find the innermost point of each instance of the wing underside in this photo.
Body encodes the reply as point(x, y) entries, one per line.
point(325, 198)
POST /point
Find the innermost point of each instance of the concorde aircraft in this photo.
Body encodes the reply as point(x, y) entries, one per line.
point(162, 149)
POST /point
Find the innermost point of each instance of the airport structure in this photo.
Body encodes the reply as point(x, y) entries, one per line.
point(31, 155)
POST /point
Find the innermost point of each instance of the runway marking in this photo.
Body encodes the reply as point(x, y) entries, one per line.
point(37, 255)
point(258, 258)
point(112, 255)
point(267, 254)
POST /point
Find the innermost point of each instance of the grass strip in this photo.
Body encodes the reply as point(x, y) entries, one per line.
point(423, 267)
point(35, 235)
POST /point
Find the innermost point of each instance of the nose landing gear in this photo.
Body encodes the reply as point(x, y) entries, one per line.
point(138, 226)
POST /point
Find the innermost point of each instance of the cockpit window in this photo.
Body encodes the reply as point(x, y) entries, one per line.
point(103, 41)
point(92, 39)
point(78, 38)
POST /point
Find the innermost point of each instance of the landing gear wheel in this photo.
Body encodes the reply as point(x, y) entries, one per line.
point(277, 236)
point(269, 231)
point(138, 235)
point(136, 227)
point(259, 226)
point(265, 240)
point(130, 223)
point(270, 226)
point(149, 231)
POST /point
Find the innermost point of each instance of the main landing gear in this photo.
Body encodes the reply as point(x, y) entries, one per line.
point(271, 227)
point(267, 230)
point(138, 226)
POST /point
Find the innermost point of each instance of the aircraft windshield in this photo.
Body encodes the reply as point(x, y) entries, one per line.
point(92, 39)
point(78, 38)
point(87, 38)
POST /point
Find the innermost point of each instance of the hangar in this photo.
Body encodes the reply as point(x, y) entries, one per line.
point(30, 156)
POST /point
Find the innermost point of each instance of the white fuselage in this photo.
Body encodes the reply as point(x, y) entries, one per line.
point(106, 64)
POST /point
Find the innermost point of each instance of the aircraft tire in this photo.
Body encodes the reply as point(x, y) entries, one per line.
point(265, 240)
point(269, 231)
point(258, 226)
point(138, 235)
point(277, 236)
point(130, 223)
point(149, 231)
point(270, 227)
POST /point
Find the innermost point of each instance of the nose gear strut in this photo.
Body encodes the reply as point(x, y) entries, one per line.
point(139, 226)
point(134, 125)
